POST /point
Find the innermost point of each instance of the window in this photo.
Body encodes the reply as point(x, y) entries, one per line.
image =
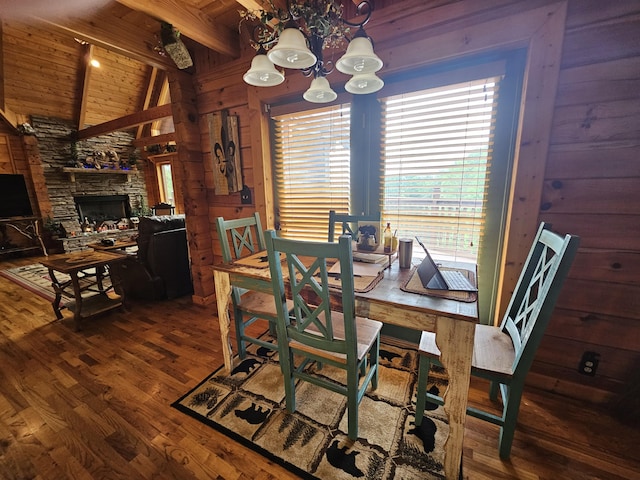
point(165, 183)
point(311, 170)
point(436, 156)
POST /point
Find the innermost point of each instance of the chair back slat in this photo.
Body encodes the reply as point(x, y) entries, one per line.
point(536, 293)
point(307, 268)
point(244, 234)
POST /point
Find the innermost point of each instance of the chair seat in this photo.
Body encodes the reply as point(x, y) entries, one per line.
point(493, 350)
point(367, 329)
point(260, 304)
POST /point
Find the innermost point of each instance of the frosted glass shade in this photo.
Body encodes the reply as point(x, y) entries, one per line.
point(291, 51)
point(364, 83)
point(359, 58)
point(263, 73)
point(320, 91)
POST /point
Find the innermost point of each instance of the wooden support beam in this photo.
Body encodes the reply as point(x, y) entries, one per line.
point(117, 35)
point(128, 121)
point(155, 140)
point(191, 22)
point(147, 98)
point(85, 72)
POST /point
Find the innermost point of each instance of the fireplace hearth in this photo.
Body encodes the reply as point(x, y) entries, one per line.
point(101, 208)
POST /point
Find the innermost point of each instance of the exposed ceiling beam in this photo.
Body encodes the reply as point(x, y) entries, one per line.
point(147, 98)
point(190, 21)
point(128, 121)
point(116, 35)
point(250, 4)
point(155, 140)
point(85, 72)
point(6, 114)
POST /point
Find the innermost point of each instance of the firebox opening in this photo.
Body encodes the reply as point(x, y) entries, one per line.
point(98, 208)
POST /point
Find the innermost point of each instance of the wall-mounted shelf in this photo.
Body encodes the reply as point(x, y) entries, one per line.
point(94, 171)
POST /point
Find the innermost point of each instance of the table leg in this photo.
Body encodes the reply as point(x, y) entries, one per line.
point(77, 318)
point(223, 296)
point(454, 338)
point(57, 288)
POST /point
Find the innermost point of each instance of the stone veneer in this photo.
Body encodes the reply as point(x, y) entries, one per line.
point(54, 143)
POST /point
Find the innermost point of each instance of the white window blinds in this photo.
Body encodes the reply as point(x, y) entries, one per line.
point(436, 147)
point(311, 170)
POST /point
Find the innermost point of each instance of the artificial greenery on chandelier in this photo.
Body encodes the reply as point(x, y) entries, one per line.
point(321, 18)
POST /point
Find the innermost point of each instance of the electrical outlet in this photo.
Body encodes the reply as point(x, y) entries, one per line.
point(589, 363)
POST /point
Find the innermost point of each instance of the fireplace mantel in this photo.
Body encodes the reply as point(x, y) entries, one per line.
point(93, 171)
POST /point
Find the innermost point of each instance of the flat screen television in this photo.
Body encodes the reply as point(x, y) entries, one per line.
point(14, 197)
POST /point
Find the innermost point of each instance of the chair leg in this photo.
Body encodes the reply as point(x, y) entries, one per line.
point(239, 323)
point(511, 399)
point(421, 389)
point(493, 390)
point(375, 352)
point(352, 403)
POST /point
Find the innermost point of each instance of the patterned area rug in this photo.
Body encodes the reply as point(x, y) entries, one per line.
point(249, 406)
point(35, 278)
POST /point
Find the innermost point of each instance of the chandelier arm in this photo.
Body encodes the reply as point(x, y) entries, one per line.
point(361, 6)
point(258, 40)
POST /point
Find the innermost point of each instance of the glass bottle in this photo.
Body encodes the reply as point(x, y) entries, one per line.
point(387, 238)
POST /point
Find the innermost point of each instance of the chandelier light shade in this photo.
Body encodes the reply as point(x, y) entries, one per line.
point(364, 83)
point(291, 51)
point(295, 38)
point(360, 57)
point(320, 91)
point(262, 72)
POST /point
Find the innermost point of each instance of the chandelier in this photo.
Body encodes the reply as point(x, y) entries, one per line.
point(295, 38)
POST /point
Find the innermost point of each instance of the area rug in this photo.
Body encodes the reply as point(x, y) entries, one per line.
point(248, 405)
point(35, 278)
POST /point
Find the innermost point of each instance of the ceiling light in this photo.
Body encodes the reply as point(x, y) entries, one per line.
point(94, 63)
point(295, 38)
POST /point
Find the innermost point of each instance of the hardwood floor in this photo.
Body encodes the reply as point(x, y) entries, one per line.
point(95, 404)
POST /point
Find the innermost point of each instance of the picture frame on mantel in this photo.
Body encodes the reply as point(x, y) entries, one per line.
point(225, 152)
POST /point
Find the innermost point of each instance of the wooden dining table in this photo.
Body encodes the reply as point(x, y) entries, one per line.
point(453, 322)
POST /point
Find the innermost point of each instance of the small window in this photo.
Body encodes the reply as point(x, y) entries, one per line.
point(165, 183)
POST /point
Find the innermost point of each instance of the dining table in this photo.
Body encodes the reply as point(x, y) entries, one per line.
point(452, 320)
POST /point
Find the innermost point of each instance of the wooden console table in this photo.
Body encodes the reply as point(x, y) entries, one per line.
point(28, 227)
point(76, 265)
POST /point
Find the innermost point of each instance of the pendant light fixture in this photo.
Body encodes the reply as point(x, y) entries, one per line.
point(294, 39)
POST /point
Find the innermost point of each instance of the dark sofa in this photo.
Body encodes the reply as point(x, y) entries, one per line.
point(161, 267)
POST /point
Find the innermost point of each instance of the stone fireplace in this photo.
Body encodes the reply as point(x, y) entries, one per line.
point(97, 194)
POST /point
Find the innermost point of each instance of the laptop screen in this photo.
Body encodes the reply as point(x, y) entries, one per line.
point(428, 271)
point(432, 278)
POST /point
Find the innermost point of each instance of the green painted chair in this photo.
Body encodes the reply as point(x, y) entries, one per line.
point(247, 237)
point(316, 333)
point(504, 354)
point(348, 223)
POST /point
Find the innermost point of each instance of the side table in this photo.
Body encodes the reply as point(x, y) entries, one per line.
point(76, 265)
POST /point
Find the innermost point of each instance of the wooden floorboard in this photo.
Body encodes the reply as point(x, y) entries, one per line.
point(95, 404)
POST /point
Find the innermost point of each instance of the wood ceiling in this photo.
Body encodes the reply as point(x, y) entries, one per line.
point(46, 45)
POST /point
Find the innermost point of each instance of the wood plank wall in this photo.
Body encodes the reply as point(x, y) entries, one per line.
point(591, 177)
